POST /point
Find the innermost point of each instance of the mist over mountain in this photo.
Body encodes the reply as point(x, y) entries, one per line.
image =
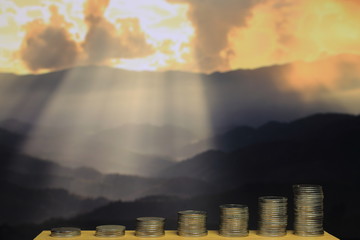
point(103, 98)
point(320, 149)
point(147, 119)
point(33, 173)
point(79, 146)
point(158, 142)
point(19, 205)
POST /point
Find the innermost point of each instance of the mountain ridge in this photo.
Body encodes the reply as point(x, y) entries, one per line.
point(241, 136)
point(329, 57)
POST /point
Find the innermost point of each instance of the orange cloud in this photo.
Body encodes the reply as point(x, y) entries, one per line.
point(48, 46)
point(94, 10)
point(334, 74)
point(190, 35)
point(282, 31)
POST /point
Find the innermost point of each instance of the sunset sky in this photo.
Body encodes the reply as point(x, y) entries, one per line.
point(190, 35)
point(316, 44)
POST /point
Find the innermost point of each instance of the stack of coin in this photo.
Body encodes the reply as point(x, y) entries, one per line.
point(192, 223)
point(234, 220)
point(150, 227)
point(308, 202)
point(110, 231)
point(272, 216)
point(65, 232)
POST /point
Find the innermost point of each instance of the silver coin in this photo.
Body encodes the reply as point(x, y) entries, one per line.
point(272, 216)
point(65, 232)
point(308, 210)
point(150, 227)
point(192, 223)
point(110, 231)
point(234, 220)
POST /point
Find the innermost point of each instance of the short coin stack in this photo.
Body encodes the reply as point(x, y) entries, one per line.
point(234, 220)
point(273, 216)
point(64, 232)
point(308, 202)
point(192, 223)
point(110, 231)
point(150, 227)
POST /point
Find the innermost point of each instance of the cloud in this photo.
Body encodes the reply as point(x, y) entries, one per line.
point(105, 41)
point(213, 20)
point(284, 31)
point(336, 73)
point(48, 46)
point(253, 33)
point(51, 46)
point(207, 36)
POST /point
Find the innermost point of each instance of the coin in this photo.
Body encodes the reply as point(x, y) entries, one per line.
point(192, 223)
point(150, 227)
point(110, 231)
point(272, 216)
point(308, 210)
point(65, 232)
point(234, 220)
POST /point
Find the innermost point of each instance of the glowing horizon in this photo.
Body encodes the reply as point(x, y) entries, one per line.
point(186, 35)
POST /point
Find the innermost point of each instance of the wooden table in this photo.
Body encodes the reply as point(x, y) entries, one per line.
point(171, 235)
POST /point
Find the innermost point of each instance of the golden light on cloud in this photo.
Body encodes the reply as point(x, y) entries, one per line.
point(185, 35)
point(286, 31)
point(136, 35)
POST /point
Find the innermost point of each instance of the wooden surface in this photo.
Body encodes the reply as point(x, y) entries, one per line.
point(171, 235)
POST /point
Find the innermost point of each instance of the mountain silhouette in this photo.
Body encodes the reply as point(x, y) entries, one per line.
point(319, 149)
point(63, 132)
point(241, 136)
point(105, 98)
point(19, 205)
point(34, 173)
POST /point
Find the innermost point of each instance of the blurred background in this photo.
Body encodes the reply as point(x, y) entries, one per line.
point(112, 110)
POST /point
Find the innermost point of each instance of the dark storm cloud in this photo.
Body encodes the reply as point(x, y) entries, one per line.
point(213, 20)
point(48, 46)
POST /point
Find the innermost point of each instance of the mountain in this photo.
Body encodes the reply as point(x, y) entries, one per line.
point(337, 220)
point(148, 116)
point(308, 148)
point(78, 146)
point(39, 174)
point(24, 205)
point(34, 173)
point(203, 166)
point(242, 136)
point(203, 104)
point(321, 147)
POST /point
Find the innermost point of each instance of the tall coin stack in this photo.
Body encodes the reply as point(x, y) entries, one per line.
point(192, 223)
point(150, 227)
point(110, 231)
point(234, 220)
point(65, 232)
point(308, 202)
point(272, 216)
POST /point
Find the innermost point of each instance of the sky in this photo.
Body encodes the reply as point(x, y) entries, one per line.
point(188, 35)
point(315, 41)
